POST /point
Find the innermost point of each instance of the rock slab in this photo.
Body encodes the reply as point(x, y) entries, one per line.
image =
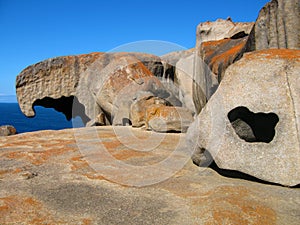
point(46, 179)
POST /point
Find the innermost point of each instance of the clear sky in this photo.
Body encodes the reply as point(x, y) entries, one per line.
point(34, 30)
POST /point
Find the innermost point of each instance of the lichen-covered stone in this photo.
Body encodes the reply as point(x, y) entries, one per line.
point(139, 107)
point(161, 118)
point(46, 179)
point(91, 85)
point(262, 89)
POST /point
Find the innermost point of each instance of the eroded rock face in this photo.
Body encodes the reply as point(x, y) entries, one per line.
point(219, 44)
point(277, 26)
point(118, 84)
point(52, 78)
point(7, 130)
point(46, 179)
point(262, 89)
point(221, 29)
point(91, 86)
point(218, 55)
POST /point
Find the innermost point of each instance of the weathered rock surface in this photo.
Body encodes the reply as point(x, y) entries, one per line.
point(117, 85)
point(184, 78)
point(212, 60)
point(139, 107)
point(277, 26)
point(7, 130)
point(99, 84)
point(262, 89)
point(218, 55)
point(161, 118)
point(219, 44)
point(46, 179)
point(178, 75)
point(221, 29)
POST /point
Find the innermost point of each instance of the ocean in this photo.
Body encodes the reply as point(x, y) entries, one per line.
point(45, 119)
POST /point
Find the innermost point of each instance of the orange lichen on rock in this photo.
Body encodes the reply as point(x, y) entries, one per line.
point(127, 154)
point(218, 55)
point(24, 210)
point(288, 54)
point(235, 205)
point(38, 157)
point(78, 163)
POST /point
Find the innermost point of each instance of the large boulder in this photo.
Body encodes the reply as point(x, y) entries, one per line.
point(262, 89)
point(116, 86)
point(91, 85)
point(219, 44)
point(277, 26)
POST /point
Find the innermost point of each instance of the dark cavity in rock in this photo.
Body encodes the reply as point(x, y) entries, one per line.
point(253, 127)
point(69, 106)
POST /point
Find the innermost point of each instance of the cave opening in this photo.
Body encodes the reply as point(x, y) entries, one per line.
point(69, 106)
point(253, 127)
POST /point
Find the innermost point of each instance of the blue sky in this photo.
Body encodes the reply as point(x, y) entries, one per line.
point(34, 30)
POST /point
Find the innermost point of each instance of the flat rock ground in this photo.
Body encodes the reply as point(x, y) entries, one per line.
point(109, 175)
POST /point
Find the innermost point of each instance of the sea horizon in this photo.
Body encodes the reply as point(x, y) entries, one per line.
point(45, 119)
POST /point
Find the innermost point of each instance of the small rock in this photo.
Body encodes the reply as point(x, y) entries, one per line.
point(168, 118)
point(7, 130)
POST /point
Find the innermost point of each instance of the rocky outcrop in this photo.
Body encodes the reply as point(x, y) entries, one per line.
point(161, 118)
point(277, 26)
point(116, 86)
point(52, 78)
point(219, 44)
point(7, 130)
point(46, 179)
point(262, 90)
point(91, 85)
point(221, 29)
point(218, 55)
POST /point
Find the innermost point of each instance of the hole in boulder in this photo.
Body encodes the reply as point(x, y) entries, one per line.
point(253, 127)
point(66, 106)
point(239, 35)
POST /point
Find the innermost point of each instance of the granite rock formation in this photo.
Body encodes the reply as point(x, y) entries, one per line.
point(277, 26)
point(261, 89)
point(219, 44)
point(221, 29)
point(178, 75)
point(91, 86)
point(7, 130)
point(46, 179)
